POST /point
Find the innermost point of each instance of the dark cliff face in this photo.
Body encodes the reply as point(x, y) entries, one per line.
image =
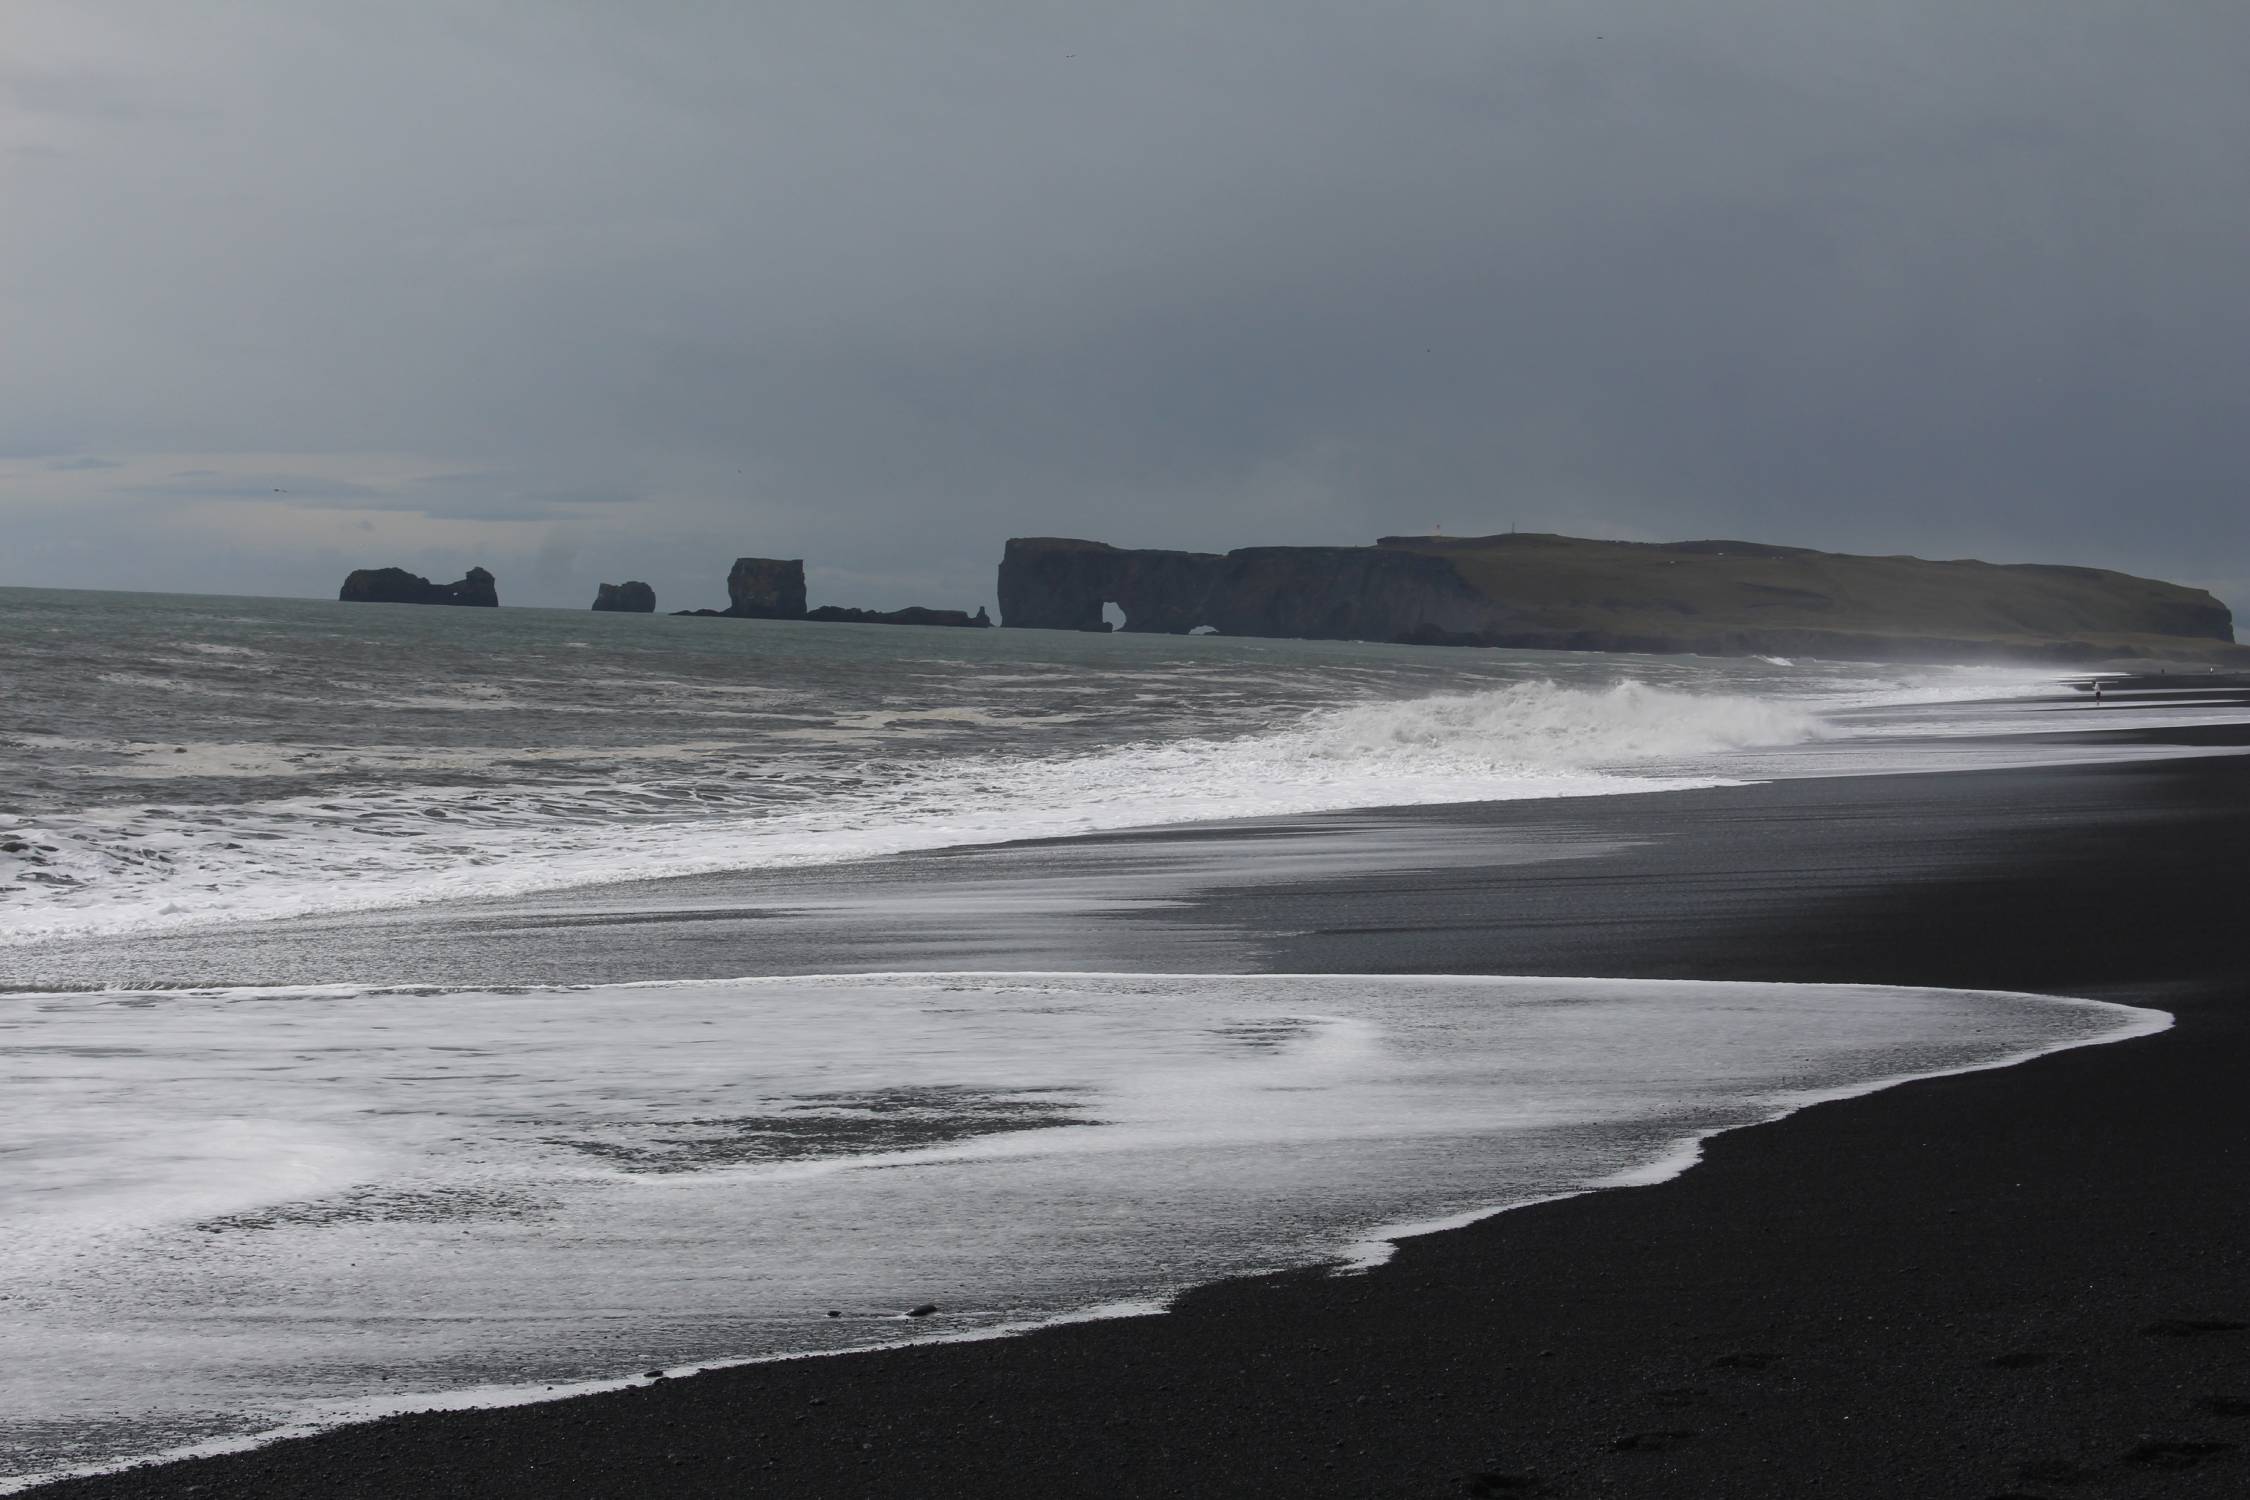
point(1319, 593)
point(634, 598)
point(1565, 593)
point(767, 588)
point(1338, 594)
point(1056, 583)
point(397, 586)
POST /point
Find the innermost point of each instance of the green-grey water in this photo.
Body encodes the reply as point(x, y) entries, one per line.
point(173, 760)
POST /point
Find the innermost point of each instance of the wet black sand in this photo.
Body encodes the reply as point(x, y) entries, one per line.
point(2029, 1282)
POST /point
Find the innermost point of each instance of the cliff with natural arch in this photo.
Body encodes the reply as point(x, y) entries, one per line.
point(1569, 593)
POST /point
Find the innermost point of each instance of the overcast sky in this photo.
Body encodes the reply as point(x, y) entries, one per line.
point(588, 291)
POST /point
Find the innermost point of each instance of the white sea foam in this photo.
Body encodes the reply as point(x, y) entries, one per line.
point(257, 1211)
point(125, 868)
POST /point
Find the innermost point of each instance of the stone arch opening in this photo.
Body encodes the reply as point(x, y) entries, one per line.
point(1113, 614)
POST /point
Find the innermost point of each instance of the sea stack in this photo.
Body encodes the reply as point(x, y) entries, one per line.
point(767, 588)
point(397, 586)
point(634, 598)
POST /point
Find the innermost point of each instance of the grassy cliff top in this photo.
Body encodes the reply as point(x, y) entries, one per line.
point(1571, 583)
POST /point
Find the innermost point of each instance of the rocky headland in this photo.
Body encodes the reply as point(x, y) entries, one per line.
point(397, 586)
point(773, 588)
point(633, 598)
point(1537, 591)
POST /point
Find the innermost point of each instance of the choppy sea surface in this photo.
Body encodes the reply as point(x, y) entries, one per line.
point(172, 760)
point(238, 1210)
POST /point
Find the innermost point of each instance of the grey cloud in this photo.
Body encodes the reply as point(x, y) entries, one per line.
point(461, 497)
point(84, 465)
point(481, 477)
point(301, 489)
point(492, 496)
point(92, 95)
point(882, 284)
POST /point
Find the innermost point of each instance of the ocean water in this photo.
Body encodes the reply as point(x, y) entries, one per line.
point(174, 761)
point(255, 1208)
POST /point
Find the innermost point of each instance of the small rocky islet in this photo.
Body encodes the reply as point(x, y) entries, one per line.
point(397, 586)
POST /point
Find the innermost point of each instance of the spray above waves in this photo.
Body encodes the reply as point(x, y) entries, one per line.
point(1541, 725)
point(694, 809)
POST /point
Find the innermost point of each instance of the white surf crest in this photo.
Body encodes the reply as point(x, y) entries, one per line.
point(122, 869)
point(1540, 726)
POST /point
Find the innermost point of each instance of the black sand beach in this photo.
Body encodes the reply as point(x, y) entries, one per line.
point(2030, 1282)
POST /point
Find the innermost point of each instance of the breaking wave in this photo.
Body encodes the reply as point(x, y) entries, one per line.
point(401, 842)
point(1539, 724)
